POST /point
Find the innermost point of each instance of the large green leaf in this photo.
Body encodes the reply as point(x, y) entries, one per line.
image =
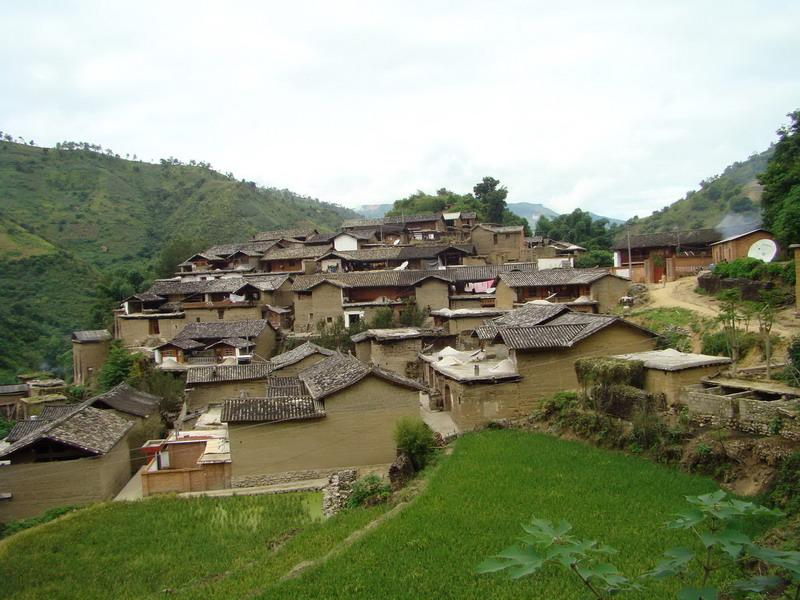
point(706, 593)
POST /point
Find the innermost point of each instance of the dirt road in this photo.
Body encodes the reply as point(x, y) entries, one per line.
point(681, 293)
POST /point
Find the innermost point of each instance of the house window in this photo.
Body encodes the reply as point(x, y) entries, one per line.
point(221, 313)
point(507, 235)
point(494, 238)
point(152, 327)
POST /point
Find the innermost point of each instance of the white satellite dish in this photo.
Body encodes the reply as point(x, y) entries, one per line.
point(763, 250)
point(402, 267)
point(397, 241)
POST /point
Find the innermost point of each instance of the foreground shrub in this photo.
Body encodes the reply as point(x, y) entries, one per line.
point(47, 516)
point(368, 491)
point(415, 439)
point(785, 491)
point(716, 343)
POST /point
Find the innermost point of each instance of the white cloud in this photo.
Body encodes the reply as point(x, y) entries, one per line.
point(618, 108)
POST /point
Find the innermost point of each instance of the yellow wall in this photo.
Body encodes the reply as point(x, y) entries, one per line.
point(607, 291)
point(505, 297)
point(432, 294)
point(35, 487)
point(357, 431)
point(134, 332)
point(395, 356)
point(200, 395)
point(506, 249)
point(87, 358)
point(549, 371)
point(204, 315)
point(325, 301)
point(670, 383)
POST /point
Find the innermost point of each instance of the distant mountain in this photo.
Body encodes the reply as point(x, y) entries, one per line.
point(68, 217)
point(729, 201)
point(374, 211)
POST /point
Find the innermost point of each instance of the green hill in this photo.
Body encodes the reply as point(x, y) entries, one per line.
point(727, 200)
point(69, 216)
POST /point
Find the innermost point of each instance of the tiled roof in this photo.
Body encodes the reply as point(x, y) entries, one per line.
point(355, 279)
point(14, 388)
point(233, 343)
point(550, 277)
point(148, 296)
point(531, 314)
point(295, 355)
point(340, 371)
point(229, 249)
point(268, 410)
point(740, 235)
point(91, 335)
point(295, 252)
point(183, 344)
point(485, 272)
point(396, 220)
point(23, 428)
point(164, 287)
point(400, 333)
point(280, 234)
point(380, 253)
point(216, 373)
point(220, 330)
point(691, 237)
point(286, 387)
point(267, 282)
point(89, 429)
point(127, 399)
point(55, 411)
point(501, 228)
point(321, 238)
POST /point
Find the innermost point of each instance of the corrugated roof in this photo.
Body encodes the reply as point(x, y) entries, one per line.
point(219, 373)
point(91, 335)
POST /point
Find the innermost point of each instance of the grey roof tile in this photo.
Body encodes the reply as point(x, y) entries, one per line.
point(221, 373)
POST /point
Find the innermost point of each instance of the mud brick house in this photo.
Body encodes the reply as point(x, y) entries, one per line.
point(356, 296)
point(589, 289)
point(668, 255)
point(669, 371)
point(89, 352)
point(298, 359)
point(300, 234)
point(293, 259)
point(462, 322)
point(737, 246)
point(413, 224)
point(216, 341)
point(390, 257)
point(473, 286)
point(11, 396)
point(395, 349)
point(130, 404)
point(212, 384)
point(187, 461)
point(499, 244)
point(460, 221)
point(80, 456)
point(337, 413)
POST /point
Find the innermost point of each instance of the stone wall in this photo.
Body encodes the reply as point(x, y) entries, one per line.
point(707, 406)
point(336, 494)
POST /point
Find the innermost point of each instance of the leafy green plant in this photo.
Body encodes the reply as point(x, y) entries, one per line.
point(547, 544)
point(715, 522)
point(5, 427)
point(47, 516)
point(414, 438)
point(785, 492)
point(369, 490)
point(117, 367)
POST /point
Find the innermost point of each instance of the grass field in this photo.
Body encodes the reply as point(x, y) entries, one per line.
point(472, 508)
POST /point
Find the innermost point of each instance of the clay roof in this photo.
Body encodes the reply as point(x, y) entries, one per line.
point(268, 410)
point(355, 279)
point(295, 355)
point(127, 399)
point(380, 253)
point(163, 287)
point(485, 272)
point(266, 282)
point(183, 344)
point(340, 371)
point(219, 330)
point(672, 360)
point(23, 428)
point(89, 429)
point(286, 387)
point(500, 228)
point(280, 234)
point(295, 252)
point(219, 373)
point(252, 246)
point(388, 335)
point(91, 335)
point(691, 237)
point(550, 277)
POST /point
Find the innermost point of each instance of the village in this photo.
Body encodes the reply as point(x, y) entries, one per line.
point(440, 318)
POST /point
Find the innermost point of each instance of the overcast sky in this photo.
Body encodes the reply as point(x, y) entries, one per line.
point(614, 107)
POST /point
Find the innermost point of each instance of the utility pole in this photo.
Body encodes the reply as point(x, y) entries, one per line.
point(630, 261)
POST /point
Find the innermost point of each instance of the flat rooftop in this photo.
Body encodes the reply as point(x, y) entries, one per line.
point(673, 360)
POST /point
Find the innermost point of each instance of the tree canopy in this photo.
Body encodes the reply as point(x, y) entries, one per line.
point(780, 202)
point(488, 201)
point(579, 228)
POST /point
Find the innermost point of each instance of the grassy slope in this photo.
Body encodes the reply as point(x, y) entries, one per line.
point(472, 508)
point(86, 213)
point(717, 198)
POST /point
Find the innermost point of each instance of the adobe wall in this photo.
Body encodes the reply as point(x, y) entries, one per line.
point(671, 383)
point(87, 358)
point(238, 313)
point(505, 297)
point(432, 294)
point(473, 406)
point(200, 395)
point(400, 356)
point(35, 487)
point(325, 302)
point(607, 291)
point(358, 430)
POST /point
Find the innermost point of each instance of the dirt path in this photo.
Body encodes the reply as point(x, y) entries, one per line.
point(681, 293)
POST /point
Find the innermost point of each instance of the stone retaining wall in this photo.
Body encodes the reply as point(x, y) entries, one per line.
point(707, 406)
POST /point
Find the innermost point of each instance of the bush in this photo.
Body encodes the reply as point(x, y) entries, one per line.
point(716, 343)
point(785, 492)
point(674, 337)
point(368, 491)
point(383, 319)
point(47, 516)
point(415, 439)
point(411, 315)
point(117, 367)
point(559, 402)
point(594, 258)
point(745, 268)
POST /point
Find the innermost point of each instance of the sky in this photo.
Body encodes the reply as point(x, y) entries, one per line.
point(614, 107)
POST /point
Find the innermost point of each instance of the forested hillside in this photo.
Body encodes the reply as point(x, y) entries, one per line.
point(727, 200)
point(71, 218)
